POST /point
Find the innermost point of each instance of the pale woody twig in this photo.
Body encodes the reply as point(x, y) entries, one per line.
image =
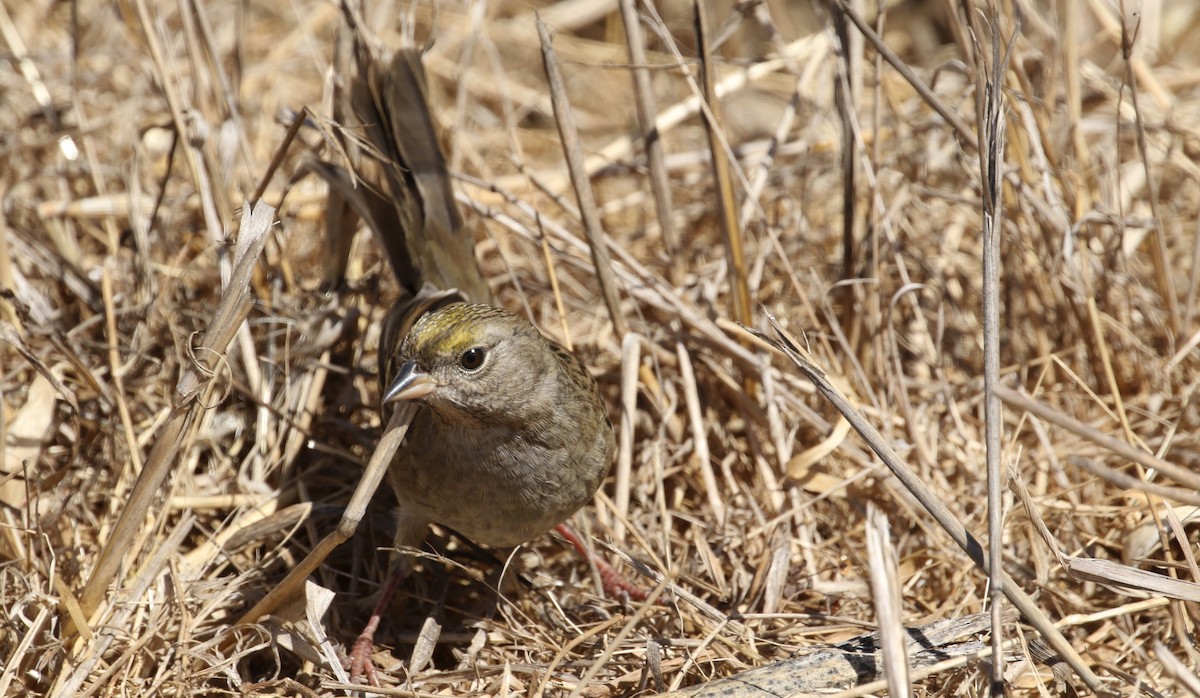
point(187, 406)
point(583, 188)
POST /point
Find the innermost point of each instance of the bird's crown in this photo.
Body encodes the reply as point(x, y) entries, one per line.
point(455, 328)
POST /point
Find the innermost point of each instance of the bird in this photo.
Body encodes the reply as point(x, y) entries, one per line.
point(512, 435)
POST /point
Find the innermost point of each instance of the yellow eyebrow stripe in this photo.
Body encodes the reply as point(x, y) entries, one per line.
point(452, 329)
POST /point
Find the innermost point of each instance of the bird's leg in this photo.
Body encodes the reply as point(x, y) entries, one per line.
point(409, 534)
point(614, 583)
point(361, 665)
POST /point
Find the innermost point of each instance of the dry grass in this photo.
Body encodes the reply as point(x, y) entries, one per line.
point(132, 135)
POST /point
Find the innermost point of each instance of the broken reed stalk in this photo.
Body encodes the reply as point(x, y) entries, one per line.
point(588, 213)
point(844, 100)
point(887, 598)
point(990, 116)
point(735, 255)
point(646, 106)
point(186, 407)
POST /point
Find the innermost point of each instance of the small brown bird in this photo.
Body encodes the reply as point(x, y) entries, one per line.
point(512, 436)
point(513, 439)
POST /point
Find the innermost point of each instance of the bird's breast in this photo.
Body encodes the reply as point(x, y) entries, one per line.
point(497, 485)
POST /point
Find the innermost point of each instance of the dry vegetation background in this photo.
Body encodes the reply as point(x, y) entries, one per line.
point(133, 132)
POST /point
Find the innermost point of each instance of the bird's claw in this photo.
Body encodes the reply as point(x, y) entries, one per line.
point(361, 665)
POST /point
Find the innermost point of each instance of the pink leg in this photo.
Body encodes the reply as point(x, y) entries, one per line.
point(614, 584)
point(360, 657)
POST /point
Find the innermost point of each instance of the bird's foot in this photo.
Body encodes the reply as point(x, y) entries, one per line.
point(361, 664)
point(615, 584)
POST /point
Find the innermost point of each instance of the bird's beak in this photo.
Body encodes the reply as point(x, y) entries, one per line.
point(411, 383)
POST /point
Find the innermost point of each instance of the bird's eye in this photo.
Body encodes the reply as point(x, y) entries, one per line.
point(473, 358)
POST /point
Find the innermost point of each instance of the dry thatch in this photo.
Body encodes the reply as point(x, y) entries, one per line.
point(139, 341)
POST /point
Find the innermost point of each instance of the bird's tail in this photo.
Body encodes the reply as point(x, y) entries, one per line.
point(397, 181)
